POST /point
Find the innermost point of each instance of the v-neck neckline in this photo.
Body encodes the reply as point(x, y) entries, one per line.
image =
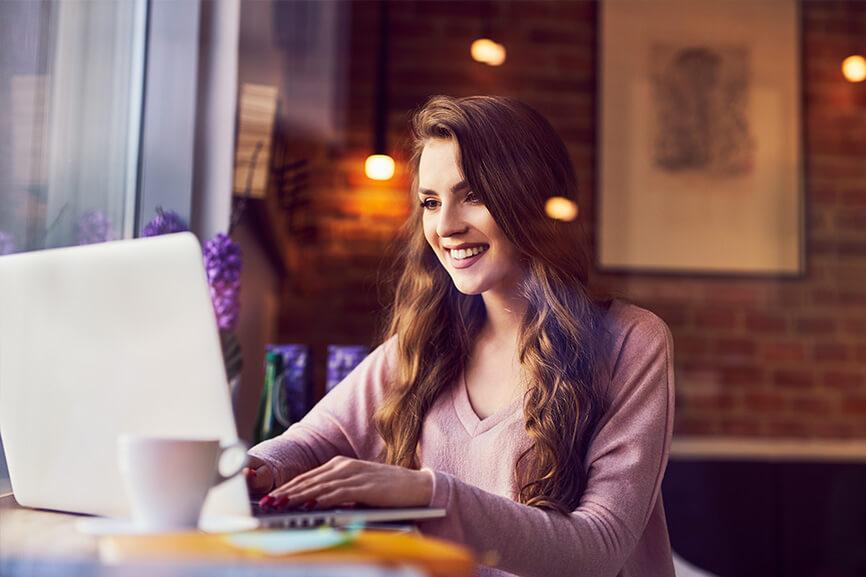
point(469, 418)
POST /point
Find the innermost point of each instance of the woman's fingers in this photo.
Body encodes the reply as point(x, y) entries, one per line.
point(348, 480)
point(339, 497)
point(299, 498)
point(259, 477)
point(327, 470)
point(323, 476)
point(260, 481)
point(328, 494)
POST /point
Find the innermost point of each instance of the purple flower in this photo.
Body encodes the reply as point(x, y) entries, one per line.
point(93, 227)
point(165, 222)
point(7, 243)
point(222, 261)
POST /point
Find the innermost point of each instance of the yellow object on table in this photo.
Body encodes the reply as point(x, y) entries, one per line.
point(434, 556)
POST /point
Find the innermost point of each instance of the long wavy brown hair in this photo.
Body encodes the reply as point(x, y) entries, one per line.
point(514, 161)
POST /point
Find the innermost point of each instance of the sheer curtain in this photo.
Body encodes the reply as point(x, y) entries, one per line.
point(71, 78)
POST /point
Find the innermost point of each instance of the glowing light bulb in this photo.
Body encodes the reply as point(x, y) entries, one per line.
point(560, 208)
point(379, 167)
point(497, 57)
point(483, 50)
point(854, 68)
point(488, 52)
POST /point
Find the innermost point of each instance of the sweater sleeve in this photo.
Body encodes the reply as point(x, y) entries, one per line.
point(626, 460)
point(340, 424)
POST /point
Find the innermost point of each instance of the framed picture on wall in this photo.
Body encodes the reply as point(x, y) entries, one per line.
point(700, 149)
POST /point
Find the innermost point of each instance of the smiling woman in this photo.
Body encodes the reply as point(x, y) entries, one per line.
point(460, 229)
point(538, 414)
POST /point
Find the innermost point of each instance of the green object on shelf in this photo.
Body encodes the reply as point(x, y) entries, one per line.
point(266, 423)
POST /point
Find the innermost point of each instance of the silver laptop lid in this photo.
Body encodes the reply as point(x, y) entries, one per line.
point(99, 340)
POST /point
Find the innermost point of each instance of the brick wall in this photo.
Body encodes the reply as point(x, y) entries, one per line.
point(753, 357)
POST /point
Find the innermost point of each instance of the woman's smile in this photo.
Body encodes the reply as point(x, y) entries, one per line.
point(464, 258)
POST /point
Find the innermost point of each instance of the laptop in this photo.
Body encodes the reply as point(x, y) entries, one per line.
point(113, 338)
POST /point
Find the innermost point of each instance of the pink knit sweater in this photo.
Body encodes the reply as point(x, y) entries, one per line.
point(619, 526)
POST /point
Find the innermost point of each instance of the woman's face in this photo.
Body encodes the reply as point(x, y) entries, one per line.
point(457, 225)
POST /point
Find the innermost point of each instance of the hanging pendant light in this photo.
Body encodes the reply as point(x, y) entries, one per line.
point(485, 49)
point(380, 166)
point(561, 208)
point(854, 66)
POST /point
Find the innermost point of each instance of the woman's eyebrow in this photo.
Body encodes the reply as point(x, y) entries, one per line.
point(454, 189)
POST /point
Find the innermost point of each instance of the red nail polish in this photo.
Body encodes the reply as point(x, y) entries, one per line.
point(265, 501)
point(311, 504)
point(281, 501)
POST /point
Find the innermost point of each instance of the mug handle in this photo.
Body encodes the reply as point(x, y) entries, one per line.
point(220, 478)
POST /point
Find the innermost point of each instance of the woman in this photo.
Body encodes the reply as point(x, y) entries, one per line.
point(536, 414)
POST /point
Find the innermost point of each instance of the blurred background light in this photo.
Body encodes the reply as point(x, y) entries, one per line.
point(560, 208)
point(379, 167)
point(488, 52)
point(854, 68)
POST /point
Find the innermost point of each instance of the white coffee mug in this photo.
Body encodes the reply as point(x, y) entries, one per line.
point(167, 479)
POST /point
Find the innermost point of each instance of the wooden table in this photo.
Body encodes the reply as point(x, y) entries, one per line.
point(37, 543)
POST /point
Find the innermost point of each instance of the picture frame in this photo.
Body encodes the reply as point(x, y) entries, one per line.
point(700, 162)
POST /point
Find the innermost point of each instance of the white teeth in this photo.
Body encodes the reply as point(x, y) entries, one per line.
point(466, 253)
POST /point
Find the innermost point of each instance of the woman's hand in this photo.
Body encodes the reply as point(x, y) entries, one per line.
point(343, 480)
point(260, 478)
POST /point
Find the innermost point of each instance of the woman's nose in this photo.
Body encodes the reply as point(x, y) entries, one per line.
point(450, 221)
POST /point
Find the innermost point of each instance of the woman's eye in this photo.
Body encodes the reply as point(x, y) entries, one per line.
point(472, 197)
point(426, 204)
